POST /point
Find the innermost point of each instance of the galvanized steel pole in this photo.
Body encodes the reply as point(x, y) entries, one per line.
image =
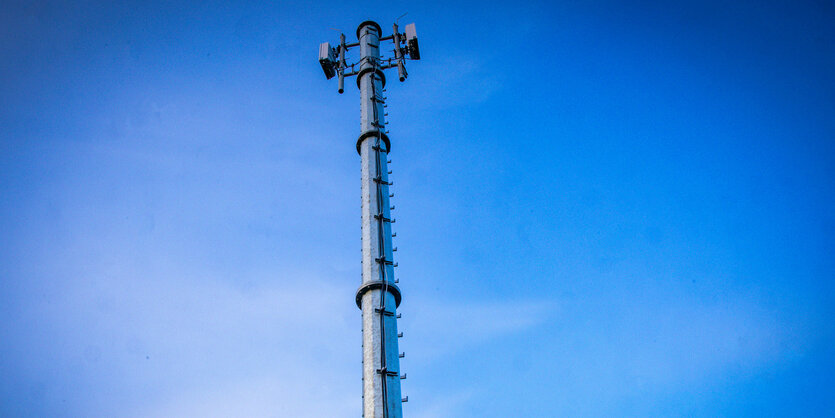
point(378, 296)
point(381, 365)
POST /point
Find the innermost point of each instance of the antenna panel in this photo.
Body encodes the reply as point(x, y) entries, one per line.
point(327, 59)
point(412, 42)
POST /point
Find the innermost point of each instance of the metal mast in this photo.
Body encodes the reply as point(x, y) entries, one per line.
point(378, 295)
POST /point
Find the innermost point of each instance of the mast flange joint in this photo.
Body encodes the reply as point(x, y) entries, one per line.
point(373, 133)
point(377, 284)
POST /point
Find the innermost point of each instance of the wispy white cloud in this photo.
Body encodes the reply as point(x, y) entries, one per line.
point(445, 404)
point(440, 328)
point(451, 81)
point(196, 346)
point(602, 354)
point(307, 395)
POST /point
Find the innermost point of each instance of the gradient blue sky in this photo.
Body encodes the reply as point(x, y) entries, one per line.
point(603, 209)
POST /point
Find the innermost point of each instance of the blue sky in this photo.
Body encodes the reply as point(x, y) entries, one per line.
point(603, 209)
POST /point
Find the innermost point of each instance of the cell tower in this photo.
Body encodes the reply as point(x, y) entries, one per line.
point(378, 296)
